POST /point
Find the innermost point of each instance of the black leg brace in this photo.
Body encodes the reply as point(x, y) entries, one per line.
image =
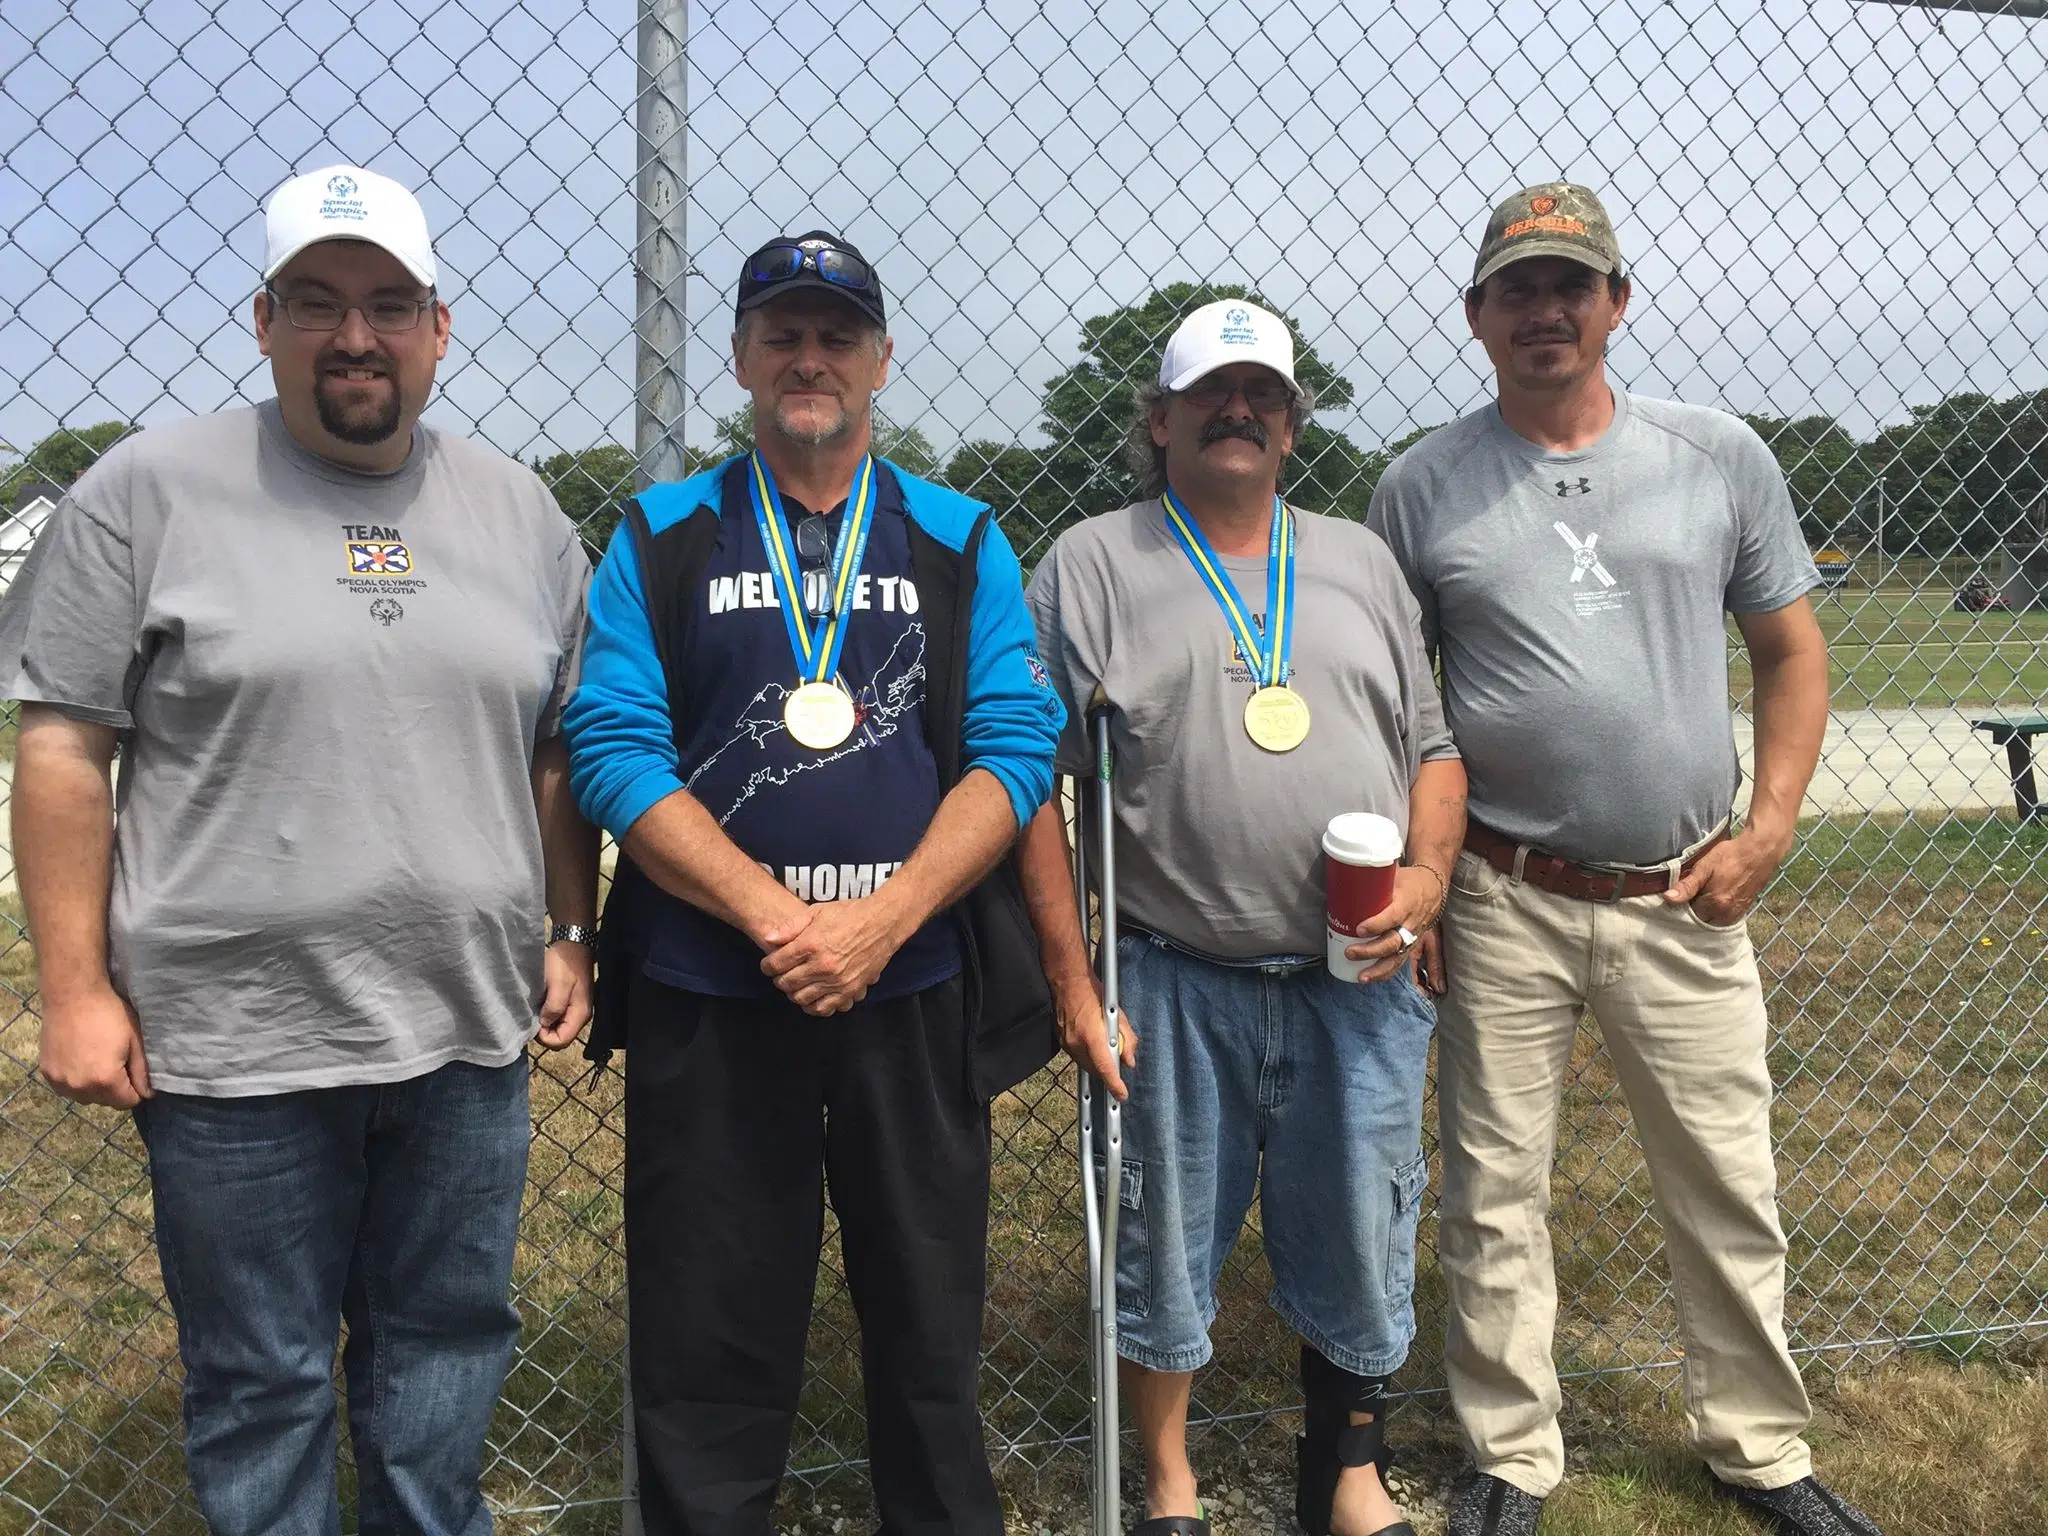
point(1331, 1442)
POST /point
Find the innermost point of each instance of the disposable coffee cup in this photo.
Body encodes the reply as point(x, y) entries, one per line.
point(1360, 854)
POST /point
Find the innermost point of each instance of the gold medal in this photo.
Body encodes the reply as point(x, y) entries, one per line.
point(819, 716)
point(1276, 718)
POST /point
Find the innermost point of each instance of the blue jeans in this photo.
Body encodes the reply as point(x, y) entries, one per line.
point(1285, 1081)
point(395, 1206)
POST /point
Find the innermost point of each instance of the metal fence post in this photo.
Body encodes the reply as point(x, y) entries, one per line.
point(661, 260)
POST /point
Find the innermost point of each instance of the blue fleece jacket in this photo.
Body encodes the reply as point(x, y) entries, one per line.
point(622, 751)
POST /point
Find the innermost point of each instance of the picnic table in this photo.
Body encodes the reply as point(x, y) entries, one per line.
point(2016, 734)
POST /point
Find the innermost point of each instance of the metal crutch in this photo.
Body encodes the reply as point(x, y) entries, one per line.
point(1100, 1206)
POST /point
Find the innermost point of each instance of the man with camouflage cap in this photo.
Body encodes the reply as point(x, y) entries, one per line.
point(1574, 549)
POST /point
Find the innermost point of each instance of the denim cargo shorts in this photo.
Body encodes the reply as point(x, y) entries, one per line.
point(1272, 1078)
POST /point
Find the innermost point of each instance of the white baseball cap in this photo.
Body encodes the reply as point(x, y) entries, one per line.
point(1228, 331)
point(346, 202)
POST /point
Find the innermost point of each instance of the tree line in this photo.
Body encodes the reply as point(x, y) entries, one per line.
point(1964, 473)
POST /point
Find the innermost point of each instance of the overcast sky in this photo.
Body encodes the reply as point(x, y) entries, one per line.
point(1834, 207)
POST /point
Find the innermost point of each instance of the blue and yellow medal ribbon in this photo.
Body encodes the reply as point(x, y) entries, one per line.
point(817, 655)
point(1270, 657)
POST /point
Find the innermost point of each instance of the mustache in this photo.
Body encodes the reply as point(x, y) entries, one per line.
point(1549, 333)
point(334, 357)
point(1251, 429)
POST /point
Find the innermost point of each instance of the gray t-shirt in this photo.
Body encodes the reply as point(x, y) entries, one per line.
point(1576, 602)
point(327, 864)
point(1219, 841)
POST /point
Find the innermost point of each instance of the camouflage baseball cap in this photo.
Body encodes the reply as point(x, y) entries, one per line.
point(1557, 218)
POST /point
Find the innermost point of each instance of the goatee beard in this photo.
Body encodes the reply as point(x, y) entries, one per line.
point(354, 428)
point(815, 437)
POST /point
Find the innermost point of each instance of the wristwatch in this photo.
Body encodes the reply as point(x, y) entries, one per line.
point(572, 933)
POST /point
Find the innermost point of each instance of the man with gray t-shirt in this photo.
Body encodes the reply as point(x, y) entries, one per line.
point(1265, 670)
point(305, 946)
point(1574, 549)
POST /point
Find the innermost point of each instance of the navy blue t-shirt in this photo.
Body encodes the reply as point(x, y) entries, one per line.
point(829, 825)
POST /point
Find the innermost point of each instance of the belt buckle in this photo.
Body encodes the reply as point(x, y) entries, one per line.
point(1592, 874)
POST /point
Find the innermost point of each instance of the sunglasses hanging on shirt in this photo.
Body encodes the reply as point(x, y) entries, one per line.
point(814, 553)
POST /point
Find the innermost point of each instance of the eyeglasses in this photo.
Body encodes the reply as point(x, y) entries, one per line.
point(1264, 395)
point(309, 312)
point(813, 552)
point(779, 263)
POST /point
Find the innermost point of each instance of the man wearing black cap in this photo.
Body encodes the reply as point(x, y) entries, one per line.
point(1575, 550)
point(811, 714)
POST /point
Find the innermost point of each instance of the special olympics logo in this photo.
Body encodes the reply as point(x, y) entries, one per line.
point(1239, 317)
point(341, 186)
point(386, 611)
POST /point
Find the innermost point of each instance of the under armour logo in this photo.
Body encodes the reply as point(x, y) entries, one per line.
point(1581, 487)
point(1584, 556)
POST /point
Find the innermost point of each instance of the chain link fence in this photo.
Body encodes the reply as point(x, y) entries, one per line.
point(1835, 214)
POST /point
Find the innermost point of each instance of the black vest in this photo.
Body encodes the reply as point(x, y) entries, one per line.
point(1009, 1012)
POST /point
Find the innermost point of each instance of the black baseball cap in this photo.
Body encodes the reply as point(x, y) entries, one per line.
point(818, 259)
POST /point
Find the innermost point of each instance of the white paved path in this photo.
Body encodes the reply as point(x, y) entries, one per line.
point(1903, 760)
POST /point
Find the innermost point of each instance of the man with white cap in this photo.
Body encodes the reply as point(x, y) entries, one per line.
point(307, 949)
point(1575, 550)
point(1266, 673)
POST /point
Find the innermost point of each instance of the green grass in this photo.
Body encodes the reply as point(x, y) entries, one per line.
point(1921, 1447)
point(1912, 1116)
point(1922, 1444)
point(1896, 649)
point(1931, 847)
point(88, 1352)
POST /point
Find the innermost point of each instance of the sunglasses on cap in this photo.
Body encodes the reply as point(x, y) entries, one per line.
point(779, 263)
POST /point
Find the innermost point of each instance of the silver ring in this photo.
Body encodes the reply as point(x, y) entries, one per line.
point(1407, 938)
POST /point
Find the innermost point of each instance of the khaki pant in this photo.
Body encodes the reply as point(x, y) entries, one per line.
point(1680, 1006)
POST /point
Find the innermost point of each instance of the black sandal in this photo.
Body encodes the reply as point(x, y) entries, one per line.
point(1172, 1525)
point(1331, 1442)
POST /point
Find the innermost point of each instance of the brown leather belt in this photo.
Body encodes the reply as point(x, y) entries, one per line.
point(1567, 877)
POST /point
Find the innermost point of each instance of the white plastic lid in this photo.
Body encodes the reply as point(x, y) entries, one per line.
point(1361, 837)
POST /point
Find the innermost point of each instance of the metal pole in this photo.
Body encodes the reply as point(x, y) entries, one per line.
point(660, 256)
point(629, 1444)
point(1880, 532)
point(660, 260)
point(1091, 1204)
point(1107, 1502)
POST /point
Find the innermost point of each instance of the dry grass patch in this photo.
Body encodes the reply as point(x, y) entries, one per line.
point(1923, 1447)
point(1912, 1117)
point(1926, 1448)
